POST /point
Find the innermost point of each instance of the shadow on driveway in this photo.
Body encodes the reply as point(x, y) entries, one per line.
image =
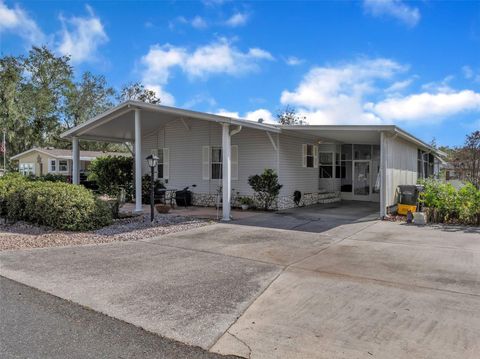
point(316, 218)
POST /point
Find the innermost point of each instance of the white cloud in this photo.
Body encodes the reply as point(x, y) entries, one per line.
point(442, 86)
point(237, 19)
point(294, 61)
point(335, 94)
point(426, 106)
point(219, 57)
point(166, 98)
point(222, 57)
point(471, 74)
point(81, 36)
point(368, 91)
point(226, 113)
point(196, 22)
point(199, 22)
point(16, 20)
point(394, 8)
point(254, 116)
point(399, 86)
point(198, 99)
point(261, 113)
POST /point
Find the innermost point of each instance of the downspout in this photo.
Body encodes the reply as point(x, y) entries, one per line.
point(235, 131)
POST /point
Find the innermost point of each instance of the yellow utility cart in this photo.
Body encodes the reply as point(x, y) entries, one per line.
point(407, 199)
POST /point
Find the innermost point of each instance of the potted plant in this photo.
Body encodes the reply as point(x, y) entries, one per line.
point(162, 208)
point(245, 202)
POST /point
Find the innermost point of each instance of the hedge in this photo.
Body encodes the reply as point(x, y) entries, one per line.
point(54, 204)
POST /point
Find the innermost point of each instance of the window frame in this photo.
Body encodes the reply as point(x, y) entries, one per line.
point(52, 169)
point(161, 162)
point(26, 169)
point(60, 166)
point(219, 163)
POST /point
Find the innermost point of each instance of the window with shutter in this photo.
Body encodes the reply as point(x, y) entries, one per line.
point(309, 155)
point(234, 154)
point(206, 162)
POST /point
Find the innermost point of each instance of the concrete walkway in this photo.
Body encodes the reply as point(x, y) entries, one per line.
point(332, 282)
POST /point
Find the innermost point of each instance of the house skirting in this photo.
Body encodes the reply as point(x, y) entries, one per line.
point(282, 202)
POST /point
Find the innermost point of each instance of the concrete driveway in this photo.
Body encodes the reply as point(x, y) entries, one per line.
point(319, 282)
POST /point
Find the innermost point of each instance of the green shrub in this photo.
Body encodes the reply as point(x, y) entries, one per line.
point(54, 204)
point(468, 204)
point(266, 187)
point(445, 204)
point(51, 177)
point(10, 183)
point(112, 173)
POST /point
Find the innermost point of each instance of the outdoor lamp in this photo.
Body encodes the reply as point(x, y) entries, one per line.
point(152, 161)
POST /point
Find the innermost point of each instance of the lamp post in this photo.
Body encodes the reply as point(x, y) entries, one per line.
point(152, 161)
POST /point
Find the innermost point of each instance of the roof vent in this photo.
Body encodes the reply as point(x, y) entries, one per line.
point(260, 120)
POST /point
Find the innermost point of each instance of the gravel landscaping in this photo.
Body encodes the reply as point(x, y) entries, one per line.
point(24, 235)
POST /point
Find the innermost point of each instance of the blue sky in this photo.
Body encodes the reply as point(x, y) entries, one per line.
point(414, 64)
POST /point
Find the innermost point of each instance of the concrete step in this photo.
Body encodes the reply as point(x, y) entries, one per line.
point(329, 200)
point(328, 195)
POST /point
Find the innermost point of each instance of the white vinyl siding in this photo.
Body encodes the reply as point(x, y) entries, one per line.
point(401, 166)
point(294, 174)
point(190, 152)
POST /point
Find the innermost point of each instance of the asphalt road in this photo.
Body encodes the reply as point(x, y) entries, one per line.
point(34, 324)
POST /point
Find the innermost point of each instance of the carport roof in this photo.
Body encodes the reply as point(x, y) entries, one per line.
point(103, 128)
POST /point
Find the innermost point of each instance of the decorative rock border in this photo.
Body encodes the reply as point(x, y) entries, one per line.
point(284, 202)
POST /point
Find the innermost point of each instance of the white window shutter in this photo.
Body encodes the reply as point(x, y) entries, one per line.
point(206, 162)
point(234, 160)
point(304, 155)
point(49, 165)
point(166, 163)
point(315, 156)
point(154, 152)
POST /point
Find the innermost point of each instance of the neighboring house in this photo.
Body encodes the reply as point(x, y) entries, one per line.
point(214, 154)
point(40, 161)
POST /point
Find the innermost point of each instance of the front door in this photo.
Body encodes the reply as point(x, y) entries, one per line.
point(361, 180)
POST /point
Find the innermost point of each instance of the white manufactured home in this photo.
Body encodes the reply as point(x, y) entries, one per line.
point(215, 155)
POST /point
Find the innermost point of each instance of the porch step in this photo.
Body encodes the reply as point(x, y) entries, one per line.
point(329, 200)
point(328, 195)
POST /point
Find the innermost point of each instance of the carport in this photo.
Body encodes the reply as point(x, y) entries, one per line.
point(132, 121)
point(369, 162)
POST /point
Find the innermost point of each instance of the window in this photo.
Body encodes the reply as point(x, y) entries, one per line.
point(216, 162)
point(160, 164)
point(52, 165)
point(62, 165)
point(362, 152)
point(212, 158)
point(325, 163)
point(26, 169)
point(310, 156)
point(425, 164)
